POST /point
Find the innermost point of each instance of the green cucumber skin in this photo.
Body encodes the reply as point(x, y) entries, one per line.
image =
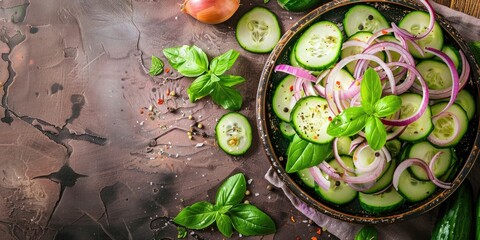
point(299, 5)
point(456, 215)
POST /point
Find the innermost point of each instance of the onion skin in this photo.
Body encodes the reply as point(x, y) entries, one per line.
point(210, 11)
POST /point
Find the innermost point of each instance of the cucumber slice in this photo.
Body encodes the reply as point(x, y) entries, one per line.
point(343, 145)
point(436, 74)
point(311, 117)
point(287, 130)
point(306, 177)
point(384, 180)
point(444, 126)
point(413, 189)
point(349, 51)
point(258, 30)
point(339, 192)
point(234, 133)
point(425, 151)
point(363, 18)
point(319, 46)
point(416, 23)
point(282, 98)
point(394, 147)
point(380, 203)
point(421, 127)
point(453, 53)
point(467, 102)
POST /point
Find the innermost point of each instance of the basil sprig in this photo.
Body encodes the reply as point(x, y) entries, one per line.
point(228, 212)
point(191, 61)
point(368, 116)
point(156, 67)
point(304, 154)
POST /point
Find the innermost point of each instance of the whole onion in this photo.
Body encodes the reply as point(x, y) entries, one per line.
point(210, 11)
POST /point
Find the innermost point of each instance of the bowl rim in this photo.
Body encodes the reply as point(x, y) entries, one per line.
point(261, 114)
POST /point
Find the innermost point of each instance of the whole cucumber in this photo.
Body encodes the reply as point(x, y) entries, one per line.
point(456, 215)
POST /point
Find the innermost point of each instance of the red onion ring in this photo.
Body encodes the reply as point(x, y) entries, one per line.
point(319, 178)
point(295, 71)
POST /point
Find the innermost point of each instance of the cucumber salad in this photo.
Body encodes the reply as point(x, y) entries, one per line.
point(373, 109)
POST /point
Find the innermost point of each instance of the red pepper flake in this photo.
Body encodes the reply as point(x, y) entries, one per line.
point(357, 83)
point(330, 118)
point(160, 101)
point(141, 112)
point(314, 238)
point(319, 231)
point(167, 70)
point(298, 238)
point(291, 88)
point(338, 83)
point(384, 32)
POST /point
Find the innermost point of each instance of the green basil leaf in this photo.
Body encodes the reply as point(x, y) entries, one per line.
point(202, 86)
point(370, 89)
point(231, 80)
point(224, 225)
point(190, 61)
point(223, 62)
point(375, 133)
point(232, 190)
point(182, 232)
point(347, 123)
point(224, 209)
point(197, 216)
point(156, 67)
point(367, 233)
point(302, 154)
point(387, 105)
point(250, 221)
point(227, 97)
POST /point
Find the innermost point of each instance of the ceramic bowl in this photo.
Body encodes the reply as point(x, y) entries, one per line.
point(275, 144)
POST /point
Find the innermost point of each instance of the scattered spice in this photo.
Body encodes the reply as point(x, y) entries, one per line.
point(319, 231)
point(292, 219)
point(269, 187)
point(173, 94)
point(160, 101)
point(247, 193)
point(314, 238)
point(167, 70)
point(190, 117)
point(246, 202)
point(200, 125)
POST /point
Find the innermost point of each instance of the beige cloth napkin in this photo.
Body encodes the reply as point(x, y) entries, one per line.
point(419, 227)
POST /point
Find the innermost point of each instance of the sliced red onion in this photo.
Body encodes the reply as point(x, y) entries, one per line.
point(453, 71)
point(339, 159)
point(354, 43)
point(423, 105)
point(329, 88)
point(359, 162)
point(297, 88)
point(319, 178)
point(308, 89)
point(419, 162)
point(330, 171)
point(456, 130)
point(431, 24)
point(396, 132)
point(378, 34)
point(355, 143)
point(295, 71)
point(366, 178)
point(385, 151)
point(318, 86)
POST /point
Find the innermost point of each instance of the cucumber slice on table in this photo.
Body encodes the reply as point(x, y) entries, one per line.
point(421, 127)
point(383, 202)
point(339, 192)
point(416, 23)
point(258, 30)
point(436, 74)
point(311, 117)
point(363, 18)
point(234, 133)
point(445, 126)
point(425, 151)
point(282, 98)
point(319, 46)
